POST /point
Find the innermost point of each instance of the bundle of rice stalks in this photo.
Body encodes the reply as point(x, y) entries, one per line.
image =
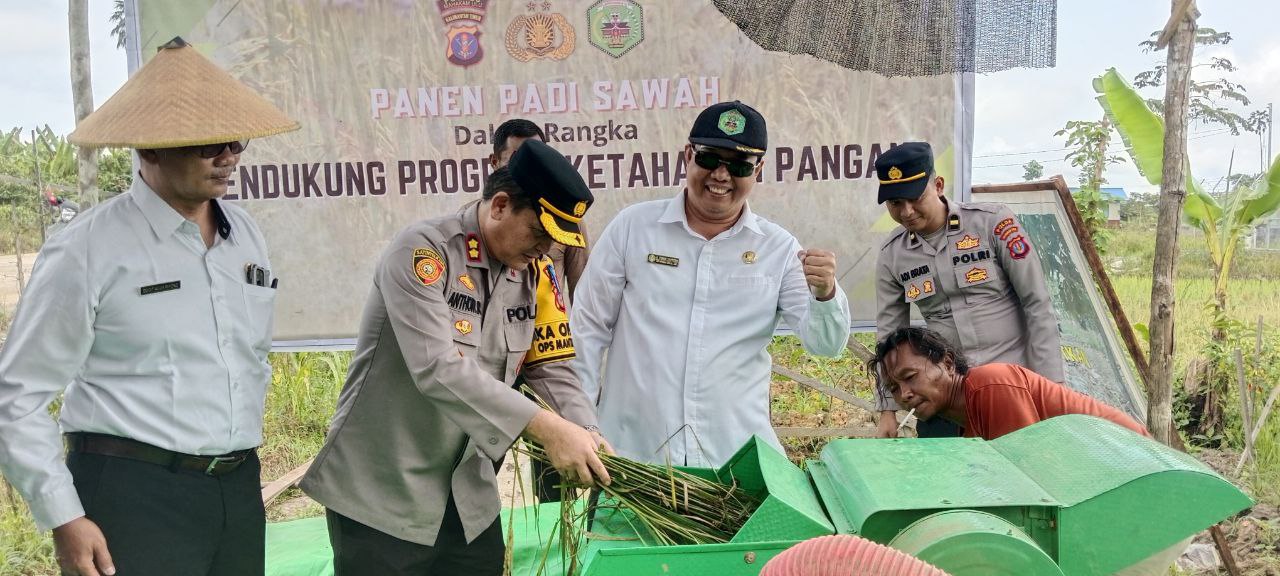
point(675, 507)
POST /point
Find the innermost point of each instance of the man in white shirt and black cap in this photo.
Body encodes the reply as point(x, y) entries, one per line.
point(685, 294)
point(153, 312)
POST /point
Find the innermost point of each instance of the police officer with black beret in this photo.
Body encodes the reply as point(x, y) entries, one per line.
point(407, 471)
point(969, 268)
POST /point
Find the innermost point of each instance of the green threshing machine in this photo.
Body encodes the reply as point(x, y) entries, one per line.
point(1070, 496)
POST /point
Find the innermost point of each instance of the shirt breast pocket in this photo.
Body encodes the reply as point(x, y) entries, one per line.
point(466, 335)
point(749, 283)
point(518, 336)
point(980, 282)
point(260, 303)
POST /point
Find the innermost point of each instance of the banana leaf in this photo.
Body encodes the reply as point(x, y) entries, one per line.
point(1142, 131)
point(1264, 200)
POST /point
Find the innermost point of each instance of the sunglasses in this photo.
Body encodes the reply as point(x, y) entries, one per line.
point(214, 150)
point(711, 161)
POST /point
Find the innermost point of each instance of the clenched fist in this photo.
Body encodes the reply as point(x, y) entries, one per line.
point(819, 272)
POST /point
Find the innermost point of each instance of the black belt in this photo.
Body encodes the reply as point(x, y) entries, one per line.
point(105, 445)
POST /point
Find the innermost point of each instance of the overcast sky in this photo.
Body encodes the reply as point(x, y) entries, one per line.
point(1017, 111)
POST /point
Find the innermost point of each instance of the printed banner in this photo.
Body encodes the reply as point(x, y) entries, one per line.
point(398, 101)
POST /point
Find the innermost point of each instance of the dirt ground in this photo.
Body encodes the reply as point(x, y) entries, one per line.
point(9, 291)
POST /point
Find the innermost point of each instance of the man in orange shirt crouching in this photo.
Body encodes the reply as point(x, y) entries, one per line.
point(926, 374)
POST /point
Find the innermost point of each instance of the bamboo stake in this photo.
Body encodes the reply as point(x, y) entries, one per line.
point(1246, 403)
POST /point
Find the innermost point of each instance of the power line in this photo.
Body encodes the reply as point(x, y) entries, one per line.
point(1021, 153)
point(1020, 163)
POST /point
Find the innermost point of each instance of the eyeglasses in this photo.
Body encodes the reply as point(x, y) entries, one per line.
point(711, 161)
point(215, 150)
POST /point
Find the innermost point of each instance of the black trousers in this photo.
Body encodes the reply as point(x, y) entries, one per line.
point(161, 523)
point(360, 550)
point(937, 427)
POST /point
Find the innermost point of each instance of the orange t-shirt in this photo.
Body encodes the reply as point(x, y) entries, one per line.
point(1002, 398)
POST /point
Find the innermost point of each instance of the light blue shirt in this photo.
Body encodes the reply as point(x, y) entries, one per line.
point(180, 366)
point(686, 322)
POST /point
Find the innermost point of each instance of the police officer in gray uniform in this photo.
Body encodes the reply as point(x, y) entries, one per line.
point(406, 471)
point(968, 268)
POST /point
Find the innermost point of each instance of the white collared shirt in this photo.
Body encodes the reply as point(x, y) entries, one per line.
point(181, 365)
point(686, 322)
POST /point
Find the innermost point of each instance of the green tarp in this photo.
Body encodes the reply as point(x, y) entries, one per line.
point(301, 547)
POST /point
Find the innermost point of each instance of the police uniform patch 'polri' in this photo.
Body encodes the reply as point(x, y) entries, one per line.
point(427, 266)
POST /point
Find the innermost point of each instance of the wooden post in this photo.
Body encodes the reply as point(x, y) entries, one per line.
point(1173, 191)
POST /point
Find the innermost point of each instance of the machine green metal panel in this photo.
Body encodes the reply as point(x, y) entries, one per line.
point(884, 485)
point(733, 559)
point(1072, 495)
point(972, 543)
point(789, 513)
point(1124, 497)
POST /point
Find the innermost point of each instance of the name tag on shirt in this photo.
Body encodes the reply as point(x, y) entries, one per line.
point(161, 287)
point(664, 260)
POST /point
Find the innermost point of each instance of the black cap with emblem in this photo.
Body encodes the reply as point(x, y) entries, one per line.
point(904, 171)
point(562, 196)
point(731, 125)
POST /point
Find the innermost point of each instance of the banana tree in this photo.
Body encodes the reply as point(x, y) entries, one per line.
point(1142, 131)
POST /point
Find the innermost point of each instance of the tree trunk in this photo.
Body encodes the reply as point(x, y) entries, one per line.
point(1173, 191)
point(82, 94)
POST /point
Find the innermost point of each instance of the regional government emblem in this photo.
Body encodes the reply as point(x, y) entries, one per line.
point(615, 26)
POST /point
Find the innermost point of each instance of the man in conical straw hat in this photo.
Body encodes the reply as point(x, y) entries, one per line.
point(153, 311)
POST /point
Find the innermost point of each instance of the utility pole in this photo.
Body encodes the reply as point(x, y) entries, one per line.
point(1179, 35)
point(82, 94)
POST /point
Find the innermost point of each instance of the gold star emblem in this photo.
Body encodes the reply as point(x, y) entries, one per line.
point(473, 248)
point(748, 257)
point(895, 173)
point(580, 208)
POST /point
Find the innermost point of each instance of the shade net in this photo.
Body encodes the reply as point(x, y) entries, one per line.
point(905, 37)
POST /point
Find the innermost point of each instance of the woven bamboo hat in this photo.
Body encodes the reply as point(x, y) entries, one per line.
point(177, 99)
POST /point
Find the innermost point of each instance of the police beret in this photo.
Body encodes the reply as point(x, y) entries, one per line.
point(558, 189)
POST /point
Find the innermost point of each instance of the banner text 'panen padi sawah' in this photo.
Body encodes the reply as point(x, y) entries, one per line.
point(398, 101)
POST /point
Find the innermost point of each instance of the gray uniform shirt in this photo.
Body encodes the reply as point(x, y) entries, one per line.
point(984, 291)
point(428, 406)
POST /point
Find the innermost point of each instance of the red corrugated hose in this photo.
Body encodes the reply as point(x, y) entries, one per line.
point(845, 555)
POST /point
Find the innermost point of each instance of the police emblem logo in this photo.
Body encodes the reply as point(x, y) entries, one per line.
point(1018, 247)
point(732, 122)
point(427, 265)
point(967, 243)
point(895, 173)
point(927, 287)
point(615, 26)
point(913, 292)
point(473, 248)
point(465, 280)
point(580, 208)
point(975, 275)
point(540, 35)
point(462, 326)
point(749, 257)
point(463, 17)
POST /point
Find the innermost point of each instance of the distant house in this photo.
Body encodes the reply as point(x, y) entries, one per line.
point(1266, 236)
point(1114, 196)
